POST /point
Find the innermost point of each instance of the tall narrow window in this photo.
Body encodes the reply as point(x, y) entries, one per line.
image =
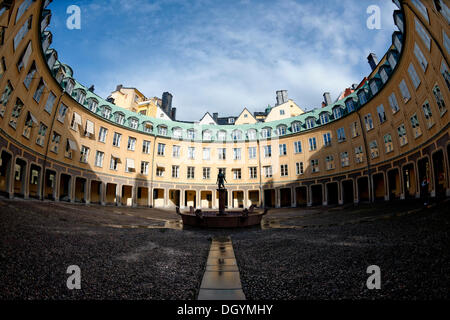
point(439, 100)
point(423, 34)
point(5, 98)
point(381, 113)
point(41, 134)
point(428, 114)
point(413, 75)
point(404, 90)
point(393, 103)
point(374, 149)
point(17, 110)
point(22, 33)
point(403, 139)
point(368, 121)
point(25, 57)
point(50, 102)
point(415, 126)
point(30, 76)
point(388, 146)
point(420, 57)
point(40, 89)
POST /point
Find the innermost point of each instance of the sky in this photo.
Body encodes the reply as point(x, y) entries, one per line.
point(221, 56)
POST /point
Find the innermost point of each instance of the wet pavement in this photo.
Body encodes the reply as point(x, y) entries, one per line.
point(297, 253)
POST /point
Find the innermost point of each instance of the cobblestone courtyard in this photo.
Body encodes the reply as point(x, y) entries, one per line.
point(310, 253)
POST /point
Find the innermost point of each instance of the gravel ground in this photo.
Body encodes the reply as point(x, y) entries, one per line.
point(325, 260)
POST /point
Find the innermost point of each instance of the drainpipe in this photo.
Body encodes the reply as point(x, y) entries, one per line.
point(47, 147)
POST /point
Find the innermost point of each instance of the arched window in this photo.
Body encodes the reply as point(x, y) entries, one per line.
point(119, 117)
point(191, 134)
point(266, 132)
point(147, 126)
point(207, 135)
point(106, 112)
point(92, 104)
point(162, 130)
point(222, 135)
point(81, 96)
point(133, 122)
point(350, 104)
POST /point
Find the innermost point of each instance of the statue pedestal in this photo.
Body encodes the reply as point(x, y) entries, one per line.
point(222, 200)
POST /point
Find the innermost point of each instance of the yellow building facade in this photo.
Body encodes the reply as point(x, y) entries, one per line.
point(61, 142)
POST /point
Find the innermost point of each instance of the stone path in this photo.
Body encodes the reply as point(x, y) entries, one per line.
point(221, 280)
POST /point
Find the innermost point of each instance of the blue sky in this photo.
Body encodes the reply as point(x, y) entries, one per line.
point(221, 56)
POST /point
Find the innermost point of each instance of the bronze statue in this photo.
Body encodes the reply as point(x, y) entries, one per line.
point(221, 179)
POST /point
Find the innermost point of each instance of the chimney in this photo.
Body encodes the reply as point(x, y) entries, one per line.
point(119, 87)
point(282, 97)
point(323, 104)
point(110, 100)
point(215, 116)
point(354, 86)
point(373, 60)
point(327, 98)
point(174, 114)
point(91, 88)
point(167, 102)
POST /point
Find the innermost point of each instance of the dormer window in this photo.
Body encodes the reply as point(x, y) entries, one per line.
point(148, 127)
point(383, 75)
point(81, 97)
point(266, 132)
point(281, 130)
point(337, 113)
point(237, 135)
point(251, 134)
point(350, 105)
point(92, 105)
point(310, 123)
point(396, 38)
point(324, 118)
point(392, 60)
point(177, 133)
point(222, 135)
point(207, 135)
point(191, 134)
point(69, 86)
point(231, 120)
point(362, 97)
point(106, 112)
point(296, 127)
point(373, 87)
point(119, 117)
point(162, 130)
point(134, 123)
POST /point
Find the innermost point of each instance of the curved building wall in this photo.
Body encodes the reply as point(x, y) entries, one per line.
point(356, 162)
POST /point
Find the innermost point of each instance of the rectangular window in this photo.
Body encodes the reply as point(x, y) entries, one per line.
point(439, 100)
point(298, 147)
point(381, 113)
point(222, 153)
point(413, 75)
point(312, 144)
point(206, 173)
point(252, 152)
point(374, 149)
point(368, 121)
point(403, 139)
point(206, 154)
point(25, 57)
point(17, 110)
point(344, 159)
point(237, 174)
point(329, 160)
point(236, 153)
point(428, 114)
point(315, 166)
point(267, 151)
point(388, 145)
point(359, 157)
point(22, 33)
point(422, 9)
point(116, 139)
point(253, 172)
point(284, 170)
point(131, 144)
point(405, 91)
point(144, 167)
point(102, 134)
point(56, 138)
point(5, 98)
point(393, 103)
point(99, 156)
point(299, 168)
point(190, 172)
point(423, 34)
point(446, 41)
point(420, 57)
point(191, 153)
point(62, 112)
point(176, 151)
point(175, 171)
point(29, 121)
point(160, 172)
point(327, 139)
point(50, 101)
point(161, 149)
point(114, 163)
point(415, 126)
point(41, 134)
point(341, 134)
point(354, 129)
point(30, 76)
point(283, 149)
point(268, 171)
point(84, 155)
